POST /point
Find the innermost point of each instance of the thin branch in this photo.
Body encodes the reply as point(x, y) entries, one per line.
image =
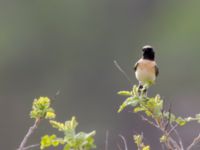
point(106, 142)
point(150, 122)
point(163, 148)
point(28, 134)
point(171, 144)
point(56, 95)
point(163, 108)
point(31, 146)
point(118, 146)
point(172, 129)
point(174, 143)
point(169, 118)
point(178, 136)
point(195, 141)
point(122, 71)
point(124, 141)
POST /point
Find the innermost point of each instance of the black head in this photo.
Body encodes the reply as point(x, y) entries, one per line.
point(148, 52)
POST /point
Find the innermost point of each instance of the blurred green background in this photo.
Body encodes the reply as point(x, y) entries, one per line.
point(69, 46)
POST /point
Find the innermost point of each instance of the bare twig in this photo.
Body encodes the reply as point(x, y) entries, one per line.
point(170, 143)
point(118, 146)
point(174, 143)
point(195, 141)
point(122, 71)
point(178, 136)
point(169, 118)
point(124, 141)
point(31, 146)
point(28, 134)
point(163, 109)
point(172, 129)
point(163, 148)
point(150, 122)
point(56, 95)
point(106, 142)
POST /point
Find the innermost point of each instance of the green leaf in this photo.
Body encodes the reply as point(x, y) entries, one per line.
point(71, 124)
point(163, 139)
point(172, 116)
point(181, 121)
point(138, 109)
point(138, 139)
point(55, 143)
point(67, 147)
point(146, 147)
point(46, 141)
point(124, 93)
point(135, 91)
point(50, 115)
point(132, 101)
point(58, 125)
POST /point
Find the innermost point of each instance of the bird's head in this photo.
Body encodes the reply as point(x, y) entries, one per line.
point(148, 52)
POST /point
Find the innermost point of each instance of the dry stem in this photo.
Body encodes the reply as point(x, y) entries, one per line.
point(31, 146)
point(124, 141)
point(195, 141)
point(28, 134)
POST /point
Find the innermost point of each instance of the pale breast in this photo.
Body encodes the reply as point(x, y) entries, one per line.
point(145, 71)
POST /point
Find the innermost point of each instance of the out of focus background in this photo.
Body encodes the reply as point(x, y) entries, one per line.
point(69, 46)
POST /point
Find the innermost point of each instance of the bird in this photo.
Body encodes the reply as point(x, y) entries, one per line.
point(146, 69)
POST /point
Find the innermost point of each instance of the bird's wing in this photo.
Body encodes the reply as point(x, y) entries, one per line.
point(135, 66)
point(157, 70)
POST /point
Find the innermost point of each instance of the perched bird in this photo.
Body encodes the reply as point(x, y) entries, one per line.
point(146, 69)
